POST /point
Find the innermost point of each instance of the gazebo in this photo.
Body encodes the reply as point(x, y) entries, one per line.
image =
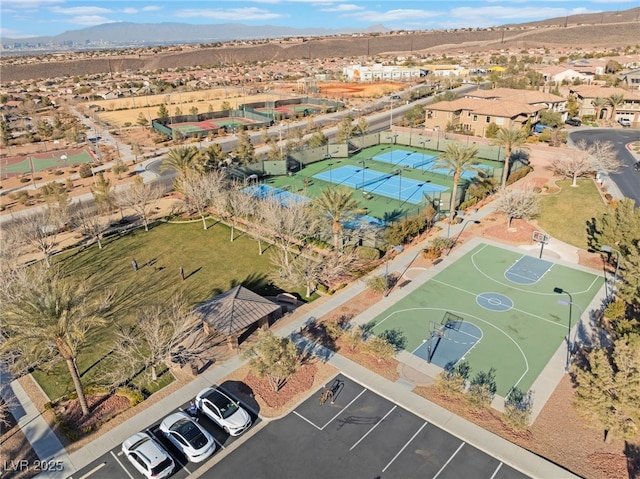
point(236, 311)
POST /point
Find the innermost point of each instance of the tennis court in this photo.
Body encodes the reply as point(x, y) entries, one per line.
point(474, 311)
point(205, 126)
point(266, 192)
point(391, 185)
point(18, 165)
point(417, 159)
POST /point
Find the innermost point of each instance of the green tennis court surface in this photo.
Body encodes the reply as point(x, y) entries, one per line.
point(511, 318)
point(44, 161)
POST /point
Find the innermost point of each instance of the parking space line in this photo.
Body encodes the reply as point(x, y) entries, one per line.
point(405, 446)
point(374, 426)
point(341, 410)
point(330, 420)
point(496, 471)
point(121, 465)
point(449, 460)
point(94, 470)
point(302, 417)
point(175, 458)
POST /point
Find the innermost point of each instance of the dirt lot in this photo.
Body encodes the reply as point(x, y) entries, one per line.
point(359, 90)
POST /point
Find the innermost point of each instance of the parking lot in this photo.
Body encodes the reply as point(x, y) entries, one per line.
point(114, 464)
point(359, 435)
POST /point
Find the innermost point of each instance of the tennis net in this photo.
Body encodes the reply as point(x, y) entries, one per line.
point(377, 179)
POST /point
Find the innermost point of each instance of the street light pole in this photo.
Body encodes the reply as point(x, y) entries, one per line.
point(570, 303)
point(609, 249)
point(399, 173)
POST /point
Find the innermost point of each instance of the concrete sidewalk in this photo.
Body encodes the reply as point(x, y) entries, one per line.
point(43, 440)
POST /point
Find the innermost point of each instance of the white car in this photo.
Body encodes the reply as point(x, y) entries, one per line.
point(148, 456)
point(223, 410)
point(187, 435)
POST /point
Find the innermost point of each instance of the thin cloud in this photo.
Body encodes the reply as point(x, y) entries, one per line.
point(130, 11)
point(90, 20)
point(151, 8)
point(489, 16)
point(29, 4)
point(345, 7)
point(394, 15)
point(81, 11)
point(235, 14)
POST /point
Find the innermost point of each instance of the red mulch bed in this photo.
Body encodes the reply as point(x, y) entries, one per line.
point(103, 407)
point(301, 381)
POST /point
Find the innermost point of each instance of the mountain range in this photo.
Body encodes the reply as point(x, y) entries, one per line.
point(171, 33)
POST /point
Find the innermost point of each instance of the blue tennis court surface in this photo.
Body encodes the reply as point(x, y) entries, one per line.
point(527, 270)
point(401, 157)
point(376, 182)
point(266, 191)
point(416, 159)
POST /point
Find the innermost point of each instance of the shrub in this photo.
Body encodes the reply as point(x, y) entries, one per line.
point(58, 172)
point(377, 283)
point(379, 348)
point(404, 231)
point(395, 337)
point(482, 389)
point(453, 380)
point(468, 204)
point(353, 337)
point(25, 180)
point(517, 409)
point(436, 247)
point(518, 175)
point(608, 196)
point(85, 170)
point(333, 329)
point(368, 253)
point(135, 396)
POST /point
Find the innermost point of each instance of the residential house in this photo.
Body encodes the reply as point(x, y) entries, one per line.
point(630, 78)
point(560, 73)
point(531, 97)
point(586, 94)
point(474, 115)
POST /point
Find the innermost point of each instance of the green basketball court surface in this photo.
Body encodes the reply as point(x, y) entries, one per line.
point(512, 320)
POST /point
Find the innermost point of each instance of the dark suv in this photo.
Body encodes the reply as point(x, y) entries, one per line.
point(573, 122)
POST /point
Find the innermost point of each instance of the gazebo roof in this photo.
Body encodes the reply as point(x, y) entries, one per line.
point(235, 310)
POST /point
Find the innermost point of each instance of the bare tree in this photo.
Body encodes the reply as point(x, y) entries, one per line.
point(589, 157)
point(199, 189)
point(91, 222)
point(141, 197)
point(603, 155)
point(520, 203)
point(162, 334)
point(40, 230)
point(304, 269)
point(286, 224)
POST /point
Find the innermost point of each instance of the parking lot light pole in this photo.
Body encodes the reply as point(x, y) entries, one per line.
point(609, 249)
point(570, 303)
point(459, 234)
point(397, 249)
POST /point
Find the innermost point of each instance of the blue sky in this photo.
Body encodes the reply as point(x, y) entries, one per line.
point(24, 18)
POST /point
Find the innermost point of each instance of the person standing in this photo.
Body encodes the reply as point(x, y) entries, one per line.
point(181, 273)
point(134, 263)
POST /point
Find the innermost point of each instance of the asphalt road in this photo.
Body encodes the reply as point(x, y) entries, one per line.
point(360, 435)
point(627, 179)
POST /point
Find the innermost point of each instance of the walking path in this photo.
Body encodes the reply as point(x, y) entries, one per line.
point(413, 372)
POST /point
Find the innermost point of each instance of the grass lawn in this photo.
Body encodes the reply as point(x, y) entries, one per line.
point(212, 265)
point(564, 215)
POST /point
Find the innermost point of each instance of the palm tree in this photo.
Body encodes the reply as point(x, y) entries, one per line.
point(339, 206)
point(457, 158)
point(509, 138)
point(599, 103)
point(47, 315)
point(614, 101)
point(183, 159)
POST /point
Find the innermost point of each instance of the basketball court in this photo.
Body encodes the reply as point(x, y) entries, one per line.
point(36, 162)
point(494, 308)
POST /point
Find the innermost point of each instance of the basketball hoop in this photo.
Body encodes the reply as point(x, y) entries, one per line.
point(542, 238)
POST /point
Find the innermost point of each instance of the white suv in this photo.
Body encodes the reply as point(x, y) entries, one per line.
point(624, 122)
point(148, 456)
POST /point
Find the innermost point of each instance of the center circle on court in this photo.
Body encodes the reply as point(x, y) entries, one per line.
point(494, 302)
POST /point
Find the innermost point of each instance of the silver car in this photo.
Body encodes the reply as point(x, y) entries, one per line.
point(223, 410)
point(148, 456)
point(187, 435)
